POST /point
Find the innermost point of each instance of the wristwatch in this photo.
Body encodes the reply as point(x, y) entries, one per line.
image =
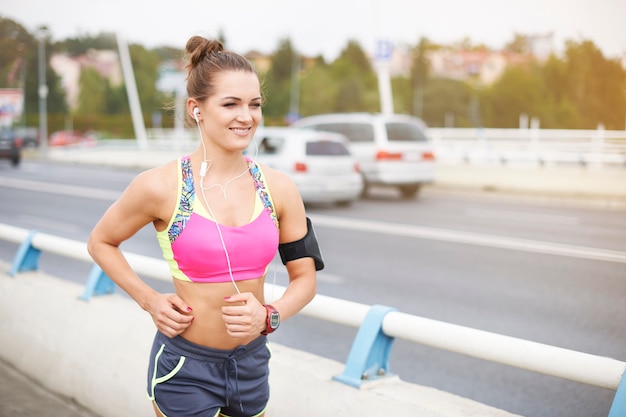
point(272, 321)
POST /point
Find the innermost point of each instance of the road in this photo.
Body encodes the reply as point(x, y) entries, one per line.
point(473, 259)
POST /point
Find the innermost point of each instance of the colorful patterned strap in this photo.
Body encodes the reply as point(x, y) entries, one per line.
point(185, 205)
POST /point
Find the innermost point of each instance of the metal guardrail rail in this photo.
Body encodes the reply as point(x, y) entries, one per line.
point(584, 147)
point(378, 325)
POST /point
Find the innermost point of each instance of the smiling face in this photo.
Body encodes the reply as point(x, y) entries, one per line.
point(230, 117)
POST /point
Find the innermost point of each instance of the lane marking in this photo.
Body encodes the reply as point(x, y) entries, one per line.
point(63, 189)
point(406, 230)
point(45, 223)
point(519, 216)
point(500, 242)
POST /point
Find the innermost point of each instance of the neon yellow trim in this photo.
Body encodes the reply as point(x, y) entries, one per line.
point(164, 378)
point(179, 192)
point(159, 408)
point(267, 188)
point(163, 236)
point(219, 413)
point(168, 255)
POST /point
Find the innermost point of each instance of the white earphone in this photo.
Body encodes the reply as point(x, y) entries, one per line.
point(196, 112)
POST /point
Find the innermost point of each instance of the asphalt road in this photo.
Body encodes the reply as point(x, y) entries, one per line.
point(469, 277)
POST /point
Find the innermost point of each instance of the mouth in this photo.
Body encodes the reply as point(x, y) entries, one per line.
point(240, 130)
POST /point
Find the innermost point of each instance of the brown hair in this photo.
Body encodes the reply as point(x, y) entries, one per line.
point(206, 58)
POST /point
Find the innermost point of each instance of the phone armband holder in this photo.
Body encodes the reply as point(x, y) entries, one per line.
point(307, 247)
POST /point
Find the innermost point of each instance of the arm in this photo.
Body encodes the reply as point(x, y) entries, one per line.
point(144, 201)
point(302, 274)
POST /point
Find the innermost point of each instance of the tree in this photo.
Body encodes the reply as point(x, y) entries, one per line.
point(278, 83)
point(356, 82)
point(145, 66)
point(19, 69)
point(447, 99)
point(318, 91)
point(92, 97)
point(596, 86)
point(419, 75)
point(517, 91)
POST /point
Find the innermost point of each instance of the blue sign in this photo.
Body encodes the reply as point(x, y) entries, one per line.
point(384, 49)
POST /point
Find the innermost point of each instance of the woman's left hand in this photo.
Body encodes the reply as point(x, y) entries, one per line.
point(244, 315)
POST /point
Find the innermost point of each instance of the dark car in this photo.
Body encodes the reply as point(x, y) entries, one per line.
point(10, 146)
point(29, 135)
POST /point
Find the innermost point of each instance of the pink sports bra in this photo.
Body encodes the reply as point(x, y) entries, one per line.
point(191, 243)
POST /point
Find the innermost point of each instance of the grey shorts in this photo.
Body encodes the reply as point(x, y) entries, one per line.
point(186, 379)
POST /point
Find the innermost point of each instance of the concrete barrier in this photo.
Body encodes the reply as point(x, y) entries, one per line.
point(96, 352)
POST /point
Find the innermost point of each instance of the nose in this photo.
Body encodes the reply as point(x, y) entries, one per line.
point(244, 115)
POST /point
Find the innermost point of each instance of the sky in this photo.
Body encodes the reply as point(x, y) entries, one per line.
point(325, 26)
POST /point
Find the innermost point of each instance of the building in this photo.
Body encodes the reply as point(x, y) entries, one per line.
point(69, 68)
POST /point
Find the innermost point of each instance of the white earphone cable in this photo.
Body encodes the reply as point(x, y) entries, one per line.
point(203, 170)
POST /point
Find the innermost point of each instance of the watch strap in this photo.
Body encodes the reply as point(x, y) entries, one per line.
point(271, 311)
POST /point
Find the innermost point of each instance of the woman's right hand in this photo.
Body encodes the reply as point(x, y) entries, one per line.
point(170, 314)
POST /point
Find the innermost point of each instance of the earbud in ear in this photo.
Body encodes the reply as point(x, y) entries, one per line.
point(196, 112)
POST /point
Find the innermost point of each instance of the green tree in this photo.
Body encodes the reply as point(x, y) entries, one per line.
point(596, 86)
point(277, 83)
point(19, 69)
point(82, 44)
point(419, 75)
point(517, 91)
point(447, 101)
point(356, 81)
point(145, 67)
point(92, 96)
point(318, 92)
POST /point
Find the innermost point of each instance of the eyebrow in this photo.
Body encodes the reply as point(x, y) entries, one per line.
point(239, 99)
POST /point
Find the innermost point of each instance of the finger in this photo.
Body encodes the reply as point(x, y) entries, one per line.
point(179, 304)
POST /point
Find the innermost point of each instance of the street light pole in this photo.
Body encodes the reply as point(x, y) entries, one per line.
point(42, 34)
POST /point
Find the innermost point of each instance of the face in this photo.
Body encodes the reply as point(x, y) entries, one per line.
point(230, 117)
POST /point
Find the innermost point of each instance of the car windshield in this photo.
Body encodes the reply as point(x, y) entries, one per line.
point(356, 132)
point(405, 132)
point(326, 147)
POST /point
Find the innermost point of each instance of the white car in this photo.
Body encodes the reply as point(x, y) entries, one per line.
point(391, 149)
point(319, 163)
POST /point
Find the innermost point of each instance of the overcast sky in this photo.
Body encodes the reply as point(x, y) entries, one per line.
point(325, 26)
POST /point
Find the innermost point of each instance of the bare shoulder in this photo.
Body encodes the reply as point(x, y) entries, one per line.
point(153, 189)
point(280, 184)
point(287, 202)
point(156, 181)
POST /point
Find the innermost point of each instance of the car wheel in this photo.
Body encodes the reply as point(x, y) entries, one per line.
point(410, 190)
point(365, 190)
point(344, 203)
point(15, 160)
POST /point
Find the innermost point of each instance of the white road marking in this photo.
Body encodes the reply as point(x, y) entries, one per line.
point(501, 242)
point(406, 230)
point(517, 216)
point(63, 189)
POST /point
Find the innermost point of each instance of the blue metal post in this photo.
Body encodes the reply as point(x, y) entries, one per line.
point(27, 257)
point(369, 356)
point(98, 283)
point(618, 408)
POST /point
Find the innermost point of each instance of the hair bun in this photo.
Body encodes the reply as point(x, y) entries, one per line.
point(198, 48)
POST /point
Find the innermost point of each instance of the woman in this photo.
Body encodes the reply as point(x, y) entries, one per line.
point(219, 219)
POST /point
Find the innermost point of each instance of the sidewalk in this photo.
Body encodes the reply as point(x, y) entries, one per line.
point(96, 353)
point(23, 397)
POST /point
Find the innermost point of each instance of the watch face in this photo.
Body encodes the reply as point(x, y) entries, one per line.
point(274, 320)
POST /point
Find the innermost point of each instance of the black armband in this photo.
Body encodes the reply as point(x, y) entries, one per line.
point(306, 247)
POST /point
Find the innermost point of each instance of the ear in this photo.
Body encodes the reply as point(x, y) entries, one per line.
point(191, 106)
